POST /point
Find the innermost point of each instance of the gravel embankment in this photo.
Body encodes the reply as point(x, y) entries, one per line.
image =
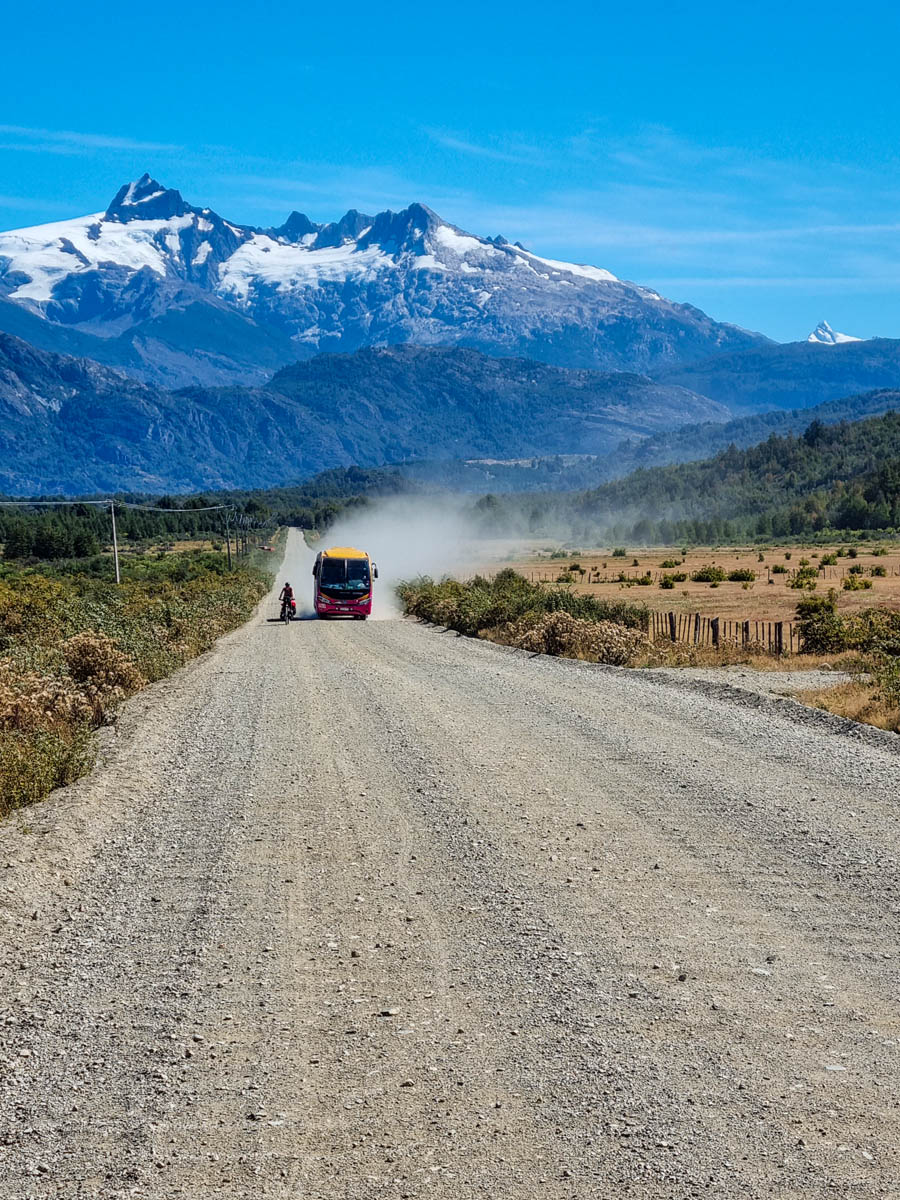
point(359, 911)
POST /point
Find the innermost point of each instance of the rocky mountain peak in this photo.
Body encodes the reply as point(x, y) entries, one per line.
point(146, 200)
point(404, 230)
point(824, 335)
point(349, 228)
point(296, 227)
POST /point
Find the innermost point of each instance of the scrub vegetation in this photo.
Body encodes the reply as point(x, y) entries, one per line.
point(511, 610)
point(73, 645)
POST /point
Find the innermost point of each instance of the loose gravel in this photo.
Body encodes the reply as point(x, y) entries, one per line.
point(372, 911)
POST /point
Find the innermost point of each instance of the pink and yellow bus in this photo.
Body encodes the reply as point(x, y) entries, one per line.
point(343, 583)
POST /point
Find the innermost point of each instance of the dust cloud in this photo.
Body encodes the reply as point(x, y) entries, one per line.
point(408, 536)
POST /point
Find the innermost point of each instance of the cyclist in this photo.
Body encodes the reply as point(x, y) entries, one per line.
point(286, 597)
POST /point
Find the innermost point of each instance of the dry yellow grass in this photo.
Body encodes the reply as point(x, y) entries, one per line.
point(856, 700)
point(768, 598)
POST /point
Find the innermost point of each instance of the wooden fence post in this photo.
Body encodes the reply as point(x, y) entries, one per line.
point(779, 637)
point(673, 627)
point(714, 628)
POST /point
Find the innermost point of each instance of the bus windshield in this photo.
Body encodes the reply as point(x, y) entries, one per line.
point(344, 574)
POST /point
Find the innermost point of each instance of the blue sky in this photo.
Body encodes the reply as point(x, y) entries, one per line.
point(743, 158)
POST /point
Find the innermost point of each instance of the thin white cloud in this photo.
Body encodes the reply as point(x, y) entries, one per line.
point(63, 138)
point(519, 153)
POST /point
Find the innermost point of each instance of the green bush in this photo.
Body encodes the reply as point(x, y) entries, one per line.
point(709, 574)
point(668, 563)
point(779, 569)
point(855, 583)
point(828, 560)
point(805, 577)
point(874, 631)
point(822, 631)
point(742, 575)
point(619, 552)
point(879, 572)
point(667, 582)
point(480, 603)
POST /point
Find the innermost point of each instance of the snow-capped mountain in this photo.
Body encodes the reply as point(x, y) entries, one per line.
point(179, 294)
point(824, 335)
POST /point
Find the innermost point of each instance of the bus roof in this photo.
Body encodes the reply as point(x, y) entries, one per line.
point(343, 552)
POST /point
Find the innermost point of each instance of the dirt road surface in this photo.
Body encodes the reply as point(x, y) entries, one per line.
point(360, 911)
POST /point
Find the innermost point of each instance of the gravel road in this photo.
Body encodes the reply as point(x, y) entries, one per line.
point(358, 911)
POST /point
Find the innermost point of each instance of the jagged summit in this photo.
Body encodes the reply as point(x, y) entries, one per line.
point(824, 335)
point(146, 200)
point(297, 227)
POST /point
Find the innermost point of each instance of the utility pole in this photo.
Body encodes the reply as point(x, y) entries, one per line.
point(112, 513)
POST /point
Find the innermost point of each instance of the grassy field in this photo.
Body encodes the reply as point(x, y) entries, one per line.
point(770, 596)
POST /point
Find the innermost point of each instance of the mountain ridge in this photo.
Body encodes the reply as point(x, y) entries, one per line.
point(385, 279)
point(72, 425)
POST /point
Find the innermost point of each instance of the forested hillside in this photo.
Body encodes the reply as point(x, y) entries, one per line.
point(840, 477)
point(571, 472)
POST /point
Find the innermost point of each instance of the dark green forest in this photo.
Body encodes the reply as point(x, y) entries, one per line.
point(843, 477)
point(76, 532)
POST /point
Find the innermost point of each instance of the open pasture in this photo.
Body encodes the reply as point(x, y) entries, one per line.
point(865, 575)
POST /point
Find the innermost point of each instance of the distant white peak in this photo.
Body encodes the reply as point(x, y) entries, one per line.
point(824, 335)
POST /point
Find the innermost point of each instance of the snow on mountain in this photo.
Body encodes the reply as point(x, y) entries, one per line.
point(390, 278)
point(824, 335)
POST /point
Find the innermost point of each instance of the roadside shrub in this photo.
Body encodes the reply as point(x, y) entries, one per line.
point(779, 569)
point(879, 572)
point(667, 582)
point(96, 660)
point(619, 552)
point(853, 552)
point(856, 569)
point(33, 764)
point(30, 701)
point(854, 583)
point(886, 672)
point(709, 574)
point(822, 631)
point(560, 633)
point(742, 575)
point(668, 563)
point(480, 603)
point(828, 560)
